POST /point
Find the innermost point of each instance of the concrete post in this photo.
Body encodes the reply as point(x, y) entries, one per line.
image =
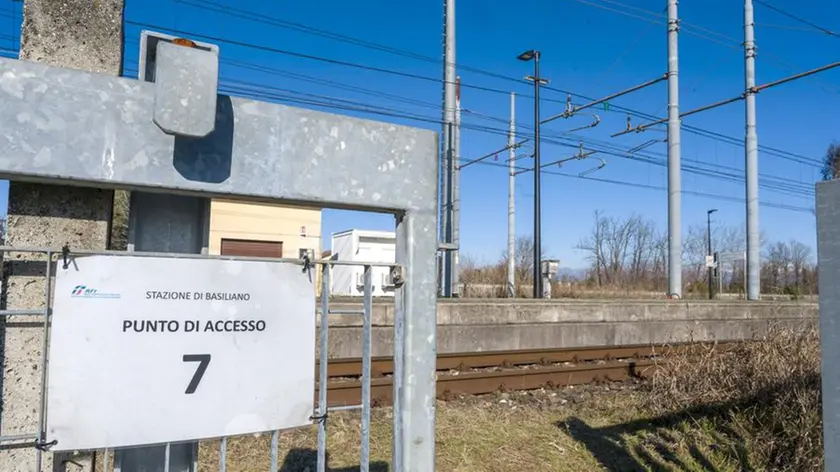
point(511, 263)
point(448, 140)
point(753, 274)
point(77, 34)
point(674, 205)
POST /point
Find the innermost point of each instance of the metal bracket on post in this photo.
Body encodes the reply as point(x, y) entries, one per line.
point(186, 77)
point(447, 247)
point(65, 254)
point(397, 275)
point(186, 82)
point(307, 266)
point(45, 445)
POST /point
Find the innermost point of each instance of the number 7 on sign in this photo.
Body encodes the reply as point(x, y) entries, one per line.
point(203, 361)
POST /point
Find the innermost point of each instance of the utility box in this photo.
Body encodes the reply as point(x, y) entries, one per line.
point(362, 246)
point(548, 268)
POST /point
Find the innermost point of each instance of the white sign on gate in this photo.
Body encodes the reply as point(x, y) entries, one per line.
point(147, 350)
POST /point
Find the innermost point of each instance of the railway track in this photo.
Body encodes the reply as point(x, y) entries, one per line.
point(486, 372)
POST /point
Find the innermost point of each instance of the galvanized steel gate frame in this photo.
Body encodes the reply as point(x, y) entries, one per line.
point(262, 152)
point(42, 442)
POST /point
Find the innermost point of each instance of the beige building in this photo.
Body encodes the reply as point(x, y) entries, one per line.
point(263, 230)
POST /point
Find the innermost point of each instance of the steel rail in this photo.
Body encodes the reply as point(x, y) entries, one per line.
point(477, 383)
point(381, 366)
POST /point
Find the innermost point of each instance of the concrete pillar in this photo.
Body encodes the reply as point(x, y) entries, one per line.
point(77, 34)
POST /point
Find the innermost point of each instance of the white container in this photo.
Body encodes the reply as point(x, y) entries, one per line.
point(362, 246)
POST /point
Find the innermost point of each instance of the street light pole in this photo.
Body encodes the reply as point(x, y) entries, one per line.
point(709, 242)
point(535, 56)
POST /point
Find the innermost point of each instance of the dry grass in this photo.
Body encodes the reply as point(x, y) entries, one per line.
point(469, 439)
point(763, 394)
point(755, 407)
point(592, 428)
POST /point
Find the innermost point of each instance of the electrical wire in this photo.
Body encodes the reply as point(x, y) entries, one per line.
point(260, 92)
point(352, 88)
point(425, 78)
point(355, 106)
point(289, 96)
point(273, 93)
point(726, 41)
point(684, 24)
point(787, 27)
point(325, 59)
point(687, 26)
point(702, 132)
point(225, 9)
point(708, 134)
point(326, 82)
point(799, 19)
point(798, 158)
point(596, 82)
point(638, 9)
point(781, 184)
point(776, 186)
point(624, 13)
point(274, 21)
point(780, 206)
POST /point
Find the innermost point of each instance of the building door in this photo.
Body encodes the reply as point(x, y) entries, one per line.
point(250, 248)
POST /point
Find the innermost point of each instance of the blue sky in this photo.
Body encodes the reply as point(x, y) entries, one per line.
point(586, 50)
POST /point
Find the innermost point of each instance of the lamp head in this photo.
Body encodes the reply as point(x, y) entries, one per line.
point(527, 55)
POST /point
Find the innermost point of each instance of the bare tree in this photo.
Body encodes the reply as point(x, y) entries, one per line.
point(632, 253)
point(831, 162)
point(593, 246)
point(800, 255)
point(524, 259)
point(624, 252)
point(694, 251)
point(617, 240)
point(468, 267)
point(776, 267)
point(660, 260)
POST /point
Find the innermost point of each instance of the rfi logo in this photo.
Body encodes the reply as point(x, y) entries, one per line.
point(82, 291)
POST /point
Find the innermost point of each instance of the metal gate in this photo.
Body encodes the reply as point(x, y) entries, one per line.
point(143, 140)
point(61, 258)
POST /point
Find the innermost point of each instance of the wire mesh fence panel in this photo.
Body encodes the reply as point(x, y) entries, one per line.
point(31, 267)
